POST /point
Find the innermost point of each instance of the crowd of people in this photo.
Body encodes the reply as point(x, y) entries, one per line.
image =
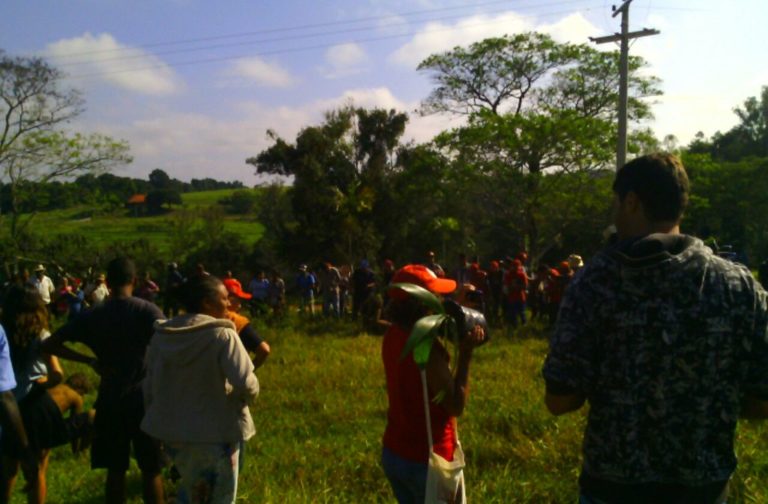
point(666, 341)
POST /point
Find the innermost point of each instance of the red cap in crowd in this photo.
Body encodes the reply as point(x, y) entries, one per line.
point(235, 289)
point(423, 277)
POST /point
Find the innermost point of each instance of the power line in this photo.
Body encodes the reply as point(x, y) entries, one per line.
point(263, 41)
point(321, 25)
point(298, 49)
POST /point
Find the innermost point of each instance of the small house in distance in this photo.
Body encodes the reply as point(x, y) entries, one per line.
point(137, 204)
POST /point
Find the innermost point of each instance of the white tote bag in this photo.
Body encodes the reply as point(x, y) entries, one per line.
point(445, 480)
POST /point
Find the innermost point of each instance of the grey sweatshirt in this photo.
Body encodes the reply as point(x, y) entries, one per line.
point(199, 382)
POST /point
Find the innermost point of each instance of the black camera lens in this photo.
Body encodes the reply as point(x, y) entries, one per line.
point(466, 319)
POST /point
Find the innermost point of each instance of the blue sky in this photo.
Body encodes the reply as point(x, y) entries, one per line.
point(193, 85)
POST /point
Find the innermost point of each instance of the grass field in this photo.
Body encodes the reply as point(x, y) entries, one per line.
point(321, 415)
point(102, 230)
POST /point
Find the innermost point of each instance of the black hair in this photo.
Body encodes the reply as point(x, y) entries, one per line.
point(405, 312)
point(24, 317)
point(79, 383)
point(198, 290)
point(659, 181)
point(120, 272)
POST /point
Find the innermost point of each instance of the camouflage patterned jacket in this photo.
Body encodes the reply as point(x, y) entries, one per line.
point(664, 339)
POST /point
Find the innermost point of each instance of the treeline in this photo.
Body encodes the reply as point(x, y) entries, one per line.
point(504, 182)
point(104, 190)
point(530, 168)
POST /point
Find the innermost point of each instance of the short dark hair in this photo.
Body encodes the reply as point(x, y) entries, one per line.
point(120, 272)
point(198, 290)
point(79, 383)
point(660, 182)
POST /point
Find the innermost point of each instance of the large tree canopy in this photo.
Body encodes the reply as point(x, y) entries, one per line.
point(530, 71)
point(34, 147)
point(538, 110)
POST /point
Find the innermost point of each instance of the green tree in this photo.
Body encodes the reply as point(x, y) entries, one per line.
point(33, 150)
point(340, 170)
point(539, 111)
point(158, 179)
point(750, 136)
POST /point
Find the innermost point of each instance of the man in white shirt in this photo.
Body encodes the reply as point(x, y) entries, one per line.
point(43, 284)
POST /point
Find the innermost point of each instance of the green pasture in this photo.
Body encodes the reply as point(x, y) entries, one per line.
point(120, 226)
point(321, 415)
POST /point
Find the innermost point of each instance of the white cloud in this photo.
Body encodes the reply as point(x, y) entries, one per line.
point(195, 145)
point(438, 37)
point(261, 72)
point(686, 114)
point(344, 60)
point(101, 57)
point(574, 28)
point(345, 57)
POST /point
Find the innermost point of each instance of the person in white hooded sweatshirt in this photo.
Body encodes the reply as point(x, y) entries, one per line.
point(199, 383)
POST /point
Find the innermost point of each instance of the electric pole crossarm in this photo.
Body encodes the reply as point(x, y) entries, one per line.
point(631, 35)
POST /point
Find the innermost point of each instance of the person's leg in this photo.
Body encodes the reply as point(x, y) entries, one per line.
point(10, 469)
point(208, 471)
point(407, 479)
point(37, 493)
point(110, 450)
point(114, 491)
point(149, 458)
point(152, 487)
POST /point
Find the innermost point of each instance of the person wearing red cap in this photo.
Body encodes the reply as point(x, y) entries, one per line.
point(406, 447)
point(516, 281)
point(495, 290)
point(248, 335)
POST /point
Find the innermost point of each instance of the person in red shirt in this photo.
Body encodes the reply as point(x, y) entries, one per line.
point(516, 282)
point(406, 447)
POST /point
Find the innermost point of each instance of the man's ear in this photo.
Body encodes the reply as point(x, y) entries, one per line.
point(632, 202)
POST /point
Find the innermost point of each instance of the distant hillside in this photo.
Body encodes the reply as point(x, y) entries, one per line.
point(103, 229)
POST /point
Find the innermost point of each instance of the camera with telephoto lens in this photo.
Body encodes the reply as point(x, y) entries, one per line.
point(466, 319)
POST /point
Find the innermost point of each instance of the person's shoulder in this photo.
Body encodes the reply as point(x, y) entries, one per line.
point(138, 305)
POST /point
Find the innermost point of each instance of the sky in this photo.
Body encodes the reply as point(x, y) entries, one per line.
point(194, 85)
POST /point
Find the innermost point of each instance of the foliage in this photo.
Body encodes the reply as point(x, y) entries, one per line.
point(728, 202)
point(241, 202)
point(540, 111)
point(530, 71)
point(33, 148)
point(156, 198)
point(339, 170)
point(749, 138)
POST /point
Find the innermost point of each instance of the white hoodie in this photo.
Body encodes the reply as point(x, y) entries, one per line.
point(199, 382)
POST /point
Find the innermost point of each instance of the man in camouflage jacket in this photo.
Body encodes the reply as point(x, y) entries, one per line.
point(669, 345)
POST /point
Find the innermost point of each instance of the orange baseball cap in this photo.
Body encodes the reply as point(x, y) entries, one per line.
point(234, 289)
point(423, 277)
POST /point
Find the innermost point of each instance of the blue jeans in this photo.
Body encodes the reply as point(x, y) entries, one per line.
point(408, 479)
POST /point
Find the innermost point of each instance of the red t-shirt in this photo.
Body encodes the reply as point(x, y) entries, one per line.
point(517, 283)
point(406, 432)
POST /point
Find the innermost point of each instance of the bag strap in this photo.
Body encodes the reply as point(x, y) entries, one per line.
point(426, 407)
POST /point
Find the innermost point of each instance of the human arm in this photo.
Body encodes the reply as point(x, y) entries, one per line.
point(237, 367)
point(754, 403)
point(55, 373)
point(452, 391)
point(563, 402)
point(568, 368)
point(55, 345)
point(10, 418)
point(254, 344)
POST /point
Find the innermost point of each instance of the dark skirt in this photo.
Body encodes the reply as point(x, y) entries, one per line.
point(43, 422)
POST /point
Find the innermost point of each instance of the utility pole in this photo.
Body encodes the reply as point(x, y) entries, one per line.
point(623, 37)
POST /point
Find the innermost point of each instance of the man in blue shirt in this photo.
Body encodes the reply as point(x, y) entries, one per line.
point(10, 418)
